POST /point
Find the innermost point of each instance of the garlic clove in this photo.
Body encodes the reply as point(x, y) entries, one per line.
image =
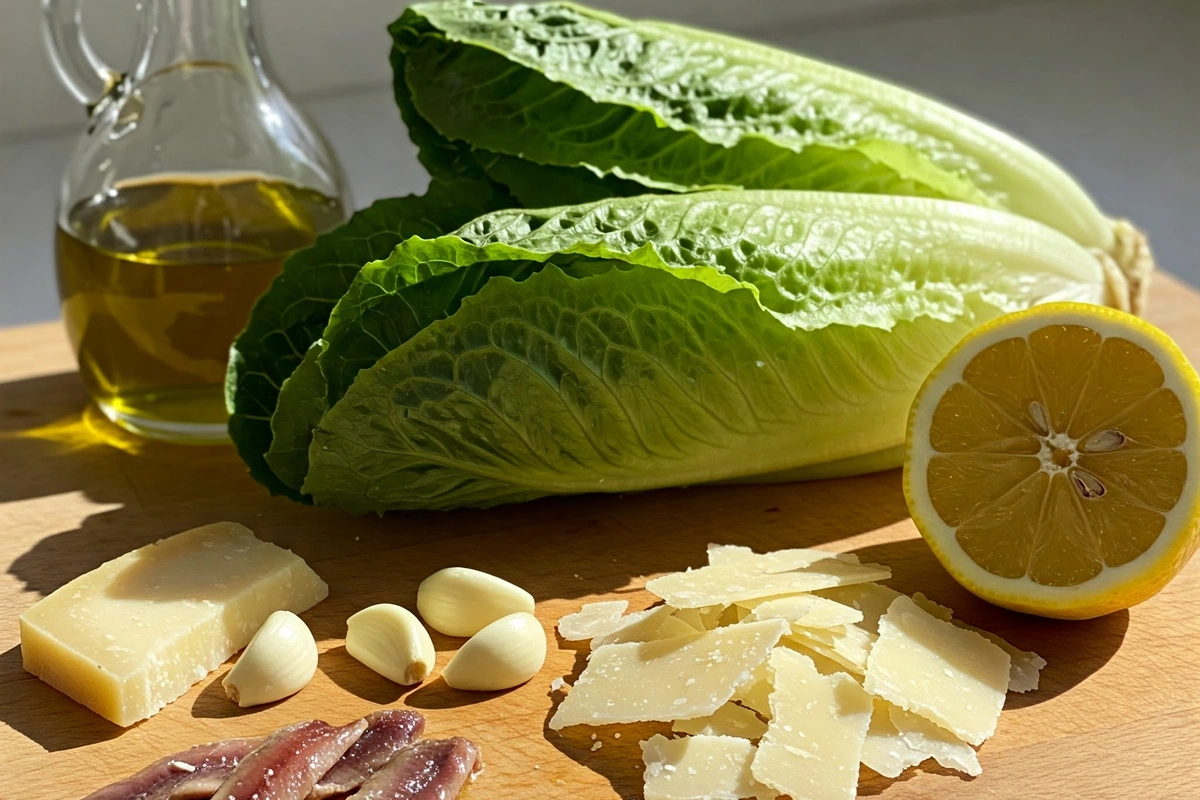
point(279, 661)
point(458, 601)
point(392, 641)
point(504, 654)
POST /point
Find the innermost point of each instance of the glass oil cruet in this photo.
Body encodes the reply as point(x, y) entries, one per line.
point(193, 181)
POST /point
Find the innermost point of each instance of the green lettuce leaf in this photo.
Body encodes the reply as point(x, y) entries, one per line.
point(291, 315)
point(659, 340)
point(568, 89)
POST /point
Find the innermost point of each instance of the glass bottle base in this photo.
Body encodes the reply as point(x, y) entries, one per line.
point(165, 429)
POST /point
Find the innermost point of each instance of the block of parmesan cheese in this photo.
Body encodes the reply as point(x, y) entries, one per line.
point(668, 679)
point(708, 767)
point(814, 741)
point(136, 632)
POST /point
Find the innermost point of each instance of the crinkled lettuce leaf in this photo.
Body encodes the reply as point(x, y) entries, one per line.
point(596, 105)
point(651, 341)
point(290, 316)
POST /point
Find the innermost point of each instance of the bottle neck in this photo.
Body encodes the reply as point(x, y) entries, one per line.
point(208, 32)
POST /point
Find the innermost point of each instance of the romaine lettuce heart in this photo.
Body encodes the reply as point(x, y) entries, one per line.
point(651, 341)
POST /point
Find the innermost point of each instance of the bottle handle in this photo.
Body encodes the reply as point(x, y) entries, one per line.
point(81, 71)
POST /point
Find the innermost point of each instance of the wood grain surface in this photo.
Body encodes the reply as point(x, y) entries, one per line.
point(1118, 714)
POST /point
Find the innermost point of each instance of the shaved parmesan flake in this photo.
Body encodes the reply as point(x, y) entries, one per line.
point(805, 610)
point(1024, 668)
point(931, 740)
point(934, 609)
point(592, 620)
point(708, 586)
point(700, 768)
point(728, 555)
point(849, 646)
point(814, 741)
point(671, 627)
point(846, 672)
point(953, 677)
point(824, 664)
point(869, 598)
point(670, 679)
point(731, 615)
point(755, 691)
point(702, 619)
point(640, 626)
point(728, 720)
point(885, 750)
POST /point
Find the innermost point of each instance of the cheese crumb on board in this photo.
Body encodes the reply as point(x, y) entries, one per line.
point(723, 585)
point(700, 768)
point(953, 677)
point(814, 742)
point(592, 620)
point(805, 610)
point(136, 632)
point(885, 750)
point(932, 740)
point(728, 720)
point(729, 555)
point(668, 679)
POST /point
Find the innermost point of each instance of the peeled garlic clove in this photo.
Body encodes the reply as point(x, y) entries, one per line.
point(504, 654)
point(392, 641)
point(458, 601)
point(279, 661)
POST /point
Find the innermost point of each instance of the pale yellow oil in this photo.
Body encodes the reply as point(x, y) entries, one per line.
point(158, 276)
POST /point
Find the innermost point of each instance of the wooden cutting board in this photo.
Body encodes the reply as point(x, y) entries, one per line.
point(1118, 712)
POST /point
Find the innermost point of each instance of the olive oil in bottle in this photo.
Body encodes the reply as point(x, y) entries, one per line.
point(158, 276)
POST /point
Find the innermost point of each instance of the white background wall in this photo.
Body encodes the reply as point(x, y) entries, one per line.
point(323, 45)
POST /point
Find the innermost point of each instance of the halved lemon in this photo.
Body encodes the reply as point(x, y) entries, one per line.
point(1053, 461)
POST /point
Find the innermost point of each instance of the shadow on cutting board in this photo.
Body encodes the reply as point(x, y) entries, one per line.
point(42, 714)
